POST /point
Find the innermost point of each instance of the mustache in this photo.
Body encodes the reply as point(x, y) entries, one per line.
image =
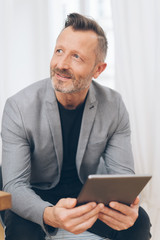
point(65, 72)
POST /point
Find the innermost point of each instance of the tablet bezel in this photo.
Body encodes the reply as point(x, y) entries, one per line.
point(121, 188)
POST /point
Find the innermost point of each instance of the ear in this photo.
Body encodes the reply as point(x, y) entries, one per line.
point(99, 69)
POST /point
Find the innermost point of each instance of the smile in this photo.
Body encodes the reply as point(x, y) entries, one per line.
point(62, 77)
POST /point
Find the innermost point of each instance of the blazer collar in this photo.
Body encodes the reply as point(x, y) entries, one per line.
point(52, 113)
point(55, 124)
point(86, 125)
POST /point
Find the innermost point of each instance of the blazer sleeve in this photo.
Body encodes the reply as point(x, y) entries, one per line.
point(118, 154)
point(16, 166)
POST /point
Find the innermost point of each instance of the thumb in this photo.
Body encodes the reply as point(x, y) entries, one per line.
point(67, 202)
point(136, 202)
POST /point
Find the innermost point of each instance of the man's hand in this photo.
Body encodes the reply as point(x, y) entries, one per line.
point(74, 219)
point(121, 219)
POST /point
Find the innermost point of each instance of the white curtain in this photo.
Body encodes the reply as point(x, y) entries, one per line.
point(137, 56)
point(24, 45)
point(28, 31)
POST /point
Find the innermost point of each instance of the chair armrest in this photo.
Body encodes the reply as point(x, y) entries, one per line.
point(5, 200)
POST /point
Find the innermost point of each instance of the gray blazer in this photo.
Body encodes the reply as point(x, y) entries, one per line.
point(32, 143)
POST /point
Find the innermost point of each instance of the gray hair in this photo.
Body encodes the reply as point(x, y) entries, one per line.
point(80, 22)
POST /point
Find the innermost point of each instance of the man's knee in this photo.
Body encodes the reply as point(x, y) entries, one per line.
point(18, 228)
point(139, 231)
point(143, 221)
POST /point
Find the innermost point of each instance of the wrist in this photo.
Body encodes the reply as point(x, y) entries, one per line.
point(47, 216)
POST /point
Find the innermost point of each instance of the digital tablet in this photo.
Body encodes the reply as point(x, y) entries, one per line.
point(107, 188)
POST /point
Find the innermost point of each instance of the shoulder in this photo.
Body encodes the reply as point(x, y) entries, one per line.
point(32, 90)
point(106, 95)
point(110, 103)
point(30, 100)
point(31, 94)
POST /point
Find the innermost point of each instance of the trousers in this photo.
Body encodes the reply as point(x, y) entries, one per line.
point(18, 228)
point(62, 234)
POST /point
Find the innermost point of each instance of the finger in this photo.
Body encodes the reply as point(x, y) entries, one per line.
point(86, 216)
point(77, 224)
point(84, 225)
point(121, 219)
point(74, 221)
point(111, 222)
point(112, 214)
point(122, 208)
point(67, 203)
point(136, 202)
point(81, 210)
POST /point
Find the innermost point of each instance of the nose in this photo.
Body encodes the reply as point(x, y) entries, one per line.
point(63, 62)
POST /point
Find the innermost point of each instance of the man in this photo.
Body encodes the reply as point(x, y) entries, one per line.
point(55, 133)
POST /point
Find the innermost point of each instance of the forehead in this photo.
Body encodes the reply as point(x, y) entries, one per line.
point(77, 39)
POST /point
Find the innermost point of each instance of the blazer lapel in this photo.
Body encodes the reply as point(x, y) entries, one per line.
point(54, 123)
point(86, 126)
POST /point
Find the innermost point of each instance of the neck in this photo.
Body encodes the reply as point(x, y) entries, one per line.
point(71, 100)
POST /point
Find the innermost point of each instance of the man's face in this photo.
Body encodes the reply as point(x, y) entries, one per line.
point(74, 60)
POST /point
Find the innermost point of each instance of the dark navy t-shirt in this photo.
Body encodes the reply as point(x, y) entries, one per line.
point(69, 184)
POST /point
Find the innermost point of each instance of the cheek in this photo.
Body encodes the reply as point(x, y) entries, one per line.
point(53, 62)
point(82, 72)
point(51, 65)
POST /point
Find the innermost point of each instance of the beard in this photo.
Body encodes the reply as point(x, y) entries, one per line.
point(75, 85)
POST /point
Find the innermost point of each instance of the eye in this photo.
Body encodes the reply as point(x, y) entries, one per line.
point(59, 51)
point(76, 56)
